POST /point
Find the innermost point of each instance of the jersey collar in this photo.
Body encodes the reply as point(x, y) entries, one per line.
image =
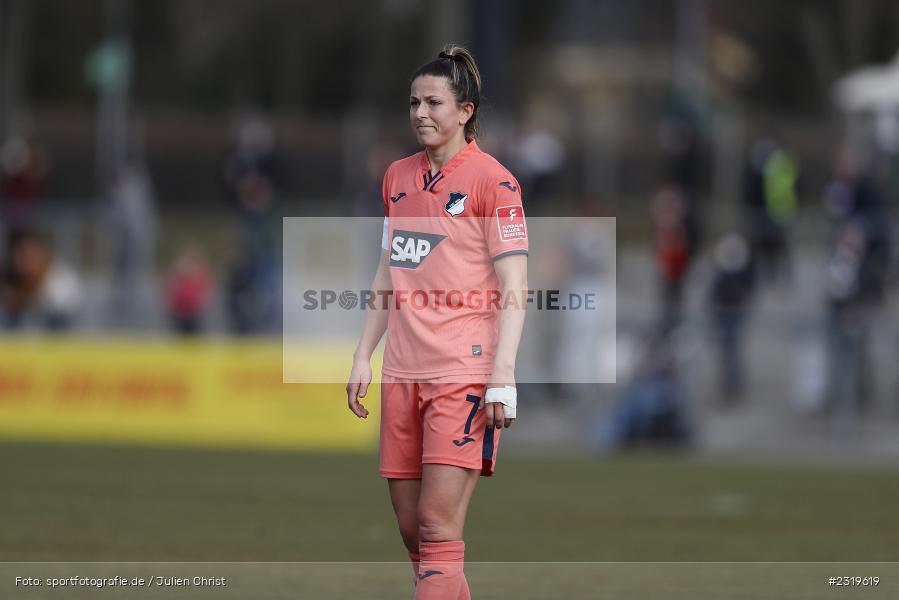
point(454, 162)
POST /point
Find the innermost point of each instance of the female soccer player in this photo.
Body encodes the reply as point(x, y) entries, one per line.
point(454, 239)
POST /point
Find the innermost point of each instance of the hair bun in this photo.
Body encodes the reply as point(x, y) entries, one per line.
point(457, 66)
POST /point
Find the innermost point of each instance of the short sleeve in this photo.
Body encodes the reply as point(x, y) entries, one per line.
point(503, 214)
point(385, 192)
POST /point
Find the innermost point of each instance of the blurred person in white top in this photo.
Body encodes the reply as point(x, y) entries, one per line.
point(37, 291)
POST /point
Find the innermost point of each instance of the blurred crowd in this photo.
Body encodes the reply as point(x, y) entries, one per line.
point(42, 290)
point(855, 269)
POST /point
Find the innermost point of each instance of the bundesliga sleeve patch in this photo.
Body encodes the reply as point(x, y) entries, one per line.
point(510, 221)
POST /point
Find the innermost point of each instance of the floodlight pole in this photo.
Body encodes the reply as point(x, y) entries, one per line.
point(113, 97)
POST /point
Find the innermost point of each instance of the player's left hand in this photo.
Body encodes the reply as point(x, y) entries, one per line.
point(495, 411)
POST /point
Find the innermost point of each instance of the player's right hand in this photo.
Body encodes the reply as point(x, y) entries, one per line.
point(357, 387)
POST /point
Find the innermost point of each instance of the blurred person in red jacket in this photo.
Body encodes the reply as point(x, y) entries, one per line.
point(673, 244)
point(189, 291)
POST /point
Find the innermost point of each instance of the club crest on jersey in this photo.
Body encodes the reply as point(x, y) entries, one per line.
point(456, 203)
point(410, 248)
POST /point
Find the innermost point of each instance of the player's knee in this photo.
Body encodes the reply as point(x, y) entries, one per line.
point(436, 528)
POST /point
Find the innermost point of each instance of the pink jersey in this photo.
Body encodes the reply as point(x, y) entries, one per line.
point(445, 232)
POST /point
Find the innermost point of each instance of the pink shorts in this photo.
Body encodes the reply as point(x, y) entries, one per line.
point(435, 423)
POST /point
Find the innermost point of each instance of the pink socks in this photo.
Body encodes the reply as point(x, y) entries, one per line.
point(440, 572)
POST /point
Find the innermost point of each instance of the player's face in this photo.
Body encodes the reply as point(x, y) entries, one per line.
point(435, 115)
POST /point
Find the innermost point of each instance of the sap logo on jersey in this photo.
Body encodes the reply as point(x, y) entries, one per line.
point(409, 248)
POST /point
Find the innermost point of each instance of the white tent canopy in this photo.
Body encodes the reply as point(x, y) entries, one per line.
point(869, 88)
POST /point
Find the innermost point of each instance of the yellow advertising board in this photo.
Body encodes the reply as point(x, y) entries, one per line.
point(184, 393)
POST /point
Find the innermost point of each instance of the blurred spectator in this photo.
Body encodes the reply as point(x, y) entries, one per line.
point(253, 172)
point(368, 204)
point(848, 319)
point(685, 166)
point(652, 407)
point(770, 196)
point(252, 294)
point(729, 298)
point(673, 245)
point(852, 197)
point(253, 175)
point(23, 167)
point(588, 250)
point(537, 160)
point(367, 201)
point(683, 154)
point(856, 277)
point(551, 268)
point(189, 291)
point(133, 229)
point(37, 291)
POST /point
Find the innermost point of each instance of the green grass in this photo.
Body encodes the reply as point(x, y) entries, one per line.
point(112, 503)
point(117, 504)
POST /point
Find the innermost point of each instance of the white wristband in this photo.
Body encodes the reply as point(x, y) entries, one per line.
point(507, 396)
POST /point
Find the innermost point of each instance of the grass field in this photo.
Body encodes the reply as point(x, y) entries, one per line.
point(80, 503)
